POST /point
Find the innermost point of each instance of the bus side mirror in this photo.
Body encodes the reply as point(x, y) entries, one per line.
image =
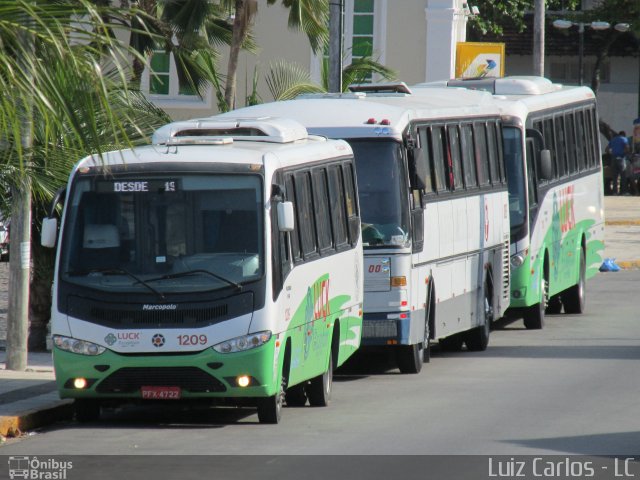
point(49, 232)
point(286, 218)
point(418, 169)
point(546, 170)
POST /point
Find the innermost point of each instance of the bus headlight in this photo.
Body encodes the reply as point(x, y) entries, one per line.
point(517, 260)
point(80, 347)
point(246, 342)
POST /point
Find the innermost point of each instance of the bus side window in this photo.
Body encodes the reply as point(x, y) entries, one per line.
point(482, 162)
point(550, 143)
point(456, 160)
point(295, 234)
point(571, 142)
point(561, 146)
point(494, 157)
point(424, 151)
point(338, 215)
point(468, 157)
point(306, 219)
point(438, 158)
point(353, 216)
point(321, 208)
point(581, 141)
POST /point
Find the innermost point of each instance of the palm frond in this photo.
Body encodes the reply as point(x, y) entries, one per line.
point(286, 80)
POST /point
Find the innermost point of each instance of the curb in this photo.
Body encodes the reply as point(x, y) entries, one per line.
point(628, 264)
point(621, 223)
point(13, 425)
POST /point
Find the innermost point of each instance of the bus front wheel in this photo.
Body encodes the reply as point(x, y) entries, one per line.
point(534, 316)
point(270, 408)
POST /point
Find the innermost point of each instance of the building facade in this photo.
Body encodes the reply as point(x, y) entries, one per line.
point(416, 38)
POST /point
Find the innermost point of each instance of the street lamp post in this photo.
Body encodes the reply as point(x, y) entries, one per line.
point(565, 24)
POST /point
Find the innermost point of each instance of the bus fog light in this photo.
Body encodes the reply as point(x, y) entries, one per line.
point(243, 381)
point(80, 383)
point(517, 260)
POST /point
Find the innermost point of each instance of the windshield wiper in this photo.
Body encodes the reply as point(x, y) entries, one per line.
point(117, 271)
point(193, 272)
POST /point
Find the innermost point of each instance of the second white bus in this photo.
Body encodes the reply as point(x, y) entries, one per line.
point(435, 217)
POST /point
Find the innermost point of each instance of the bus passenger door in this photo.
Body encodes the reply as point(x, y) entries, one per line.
point(532, 186)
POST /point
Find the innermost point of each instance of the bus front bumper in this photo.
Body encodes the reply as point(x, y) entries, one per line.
point(204, 374)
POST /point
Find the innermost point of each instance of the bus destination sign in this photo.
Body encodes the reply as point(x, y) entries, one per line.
point(138, 186)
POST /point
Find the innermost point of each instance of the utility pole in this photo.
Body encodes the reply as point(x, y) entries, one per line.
point(20, 236)
point(335, 45)
point(538, 37)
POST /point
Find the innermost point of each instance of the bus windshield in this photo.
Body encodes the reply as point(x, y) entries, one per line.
point(177, 233)
point(382, 191)
point(514, 160)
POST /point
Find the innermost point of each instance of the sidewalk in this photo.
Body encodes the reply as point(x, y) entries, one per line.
point(29, 399)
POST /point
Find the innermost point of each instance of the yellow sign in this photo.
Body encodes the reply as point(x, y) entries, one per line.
point(479, 59)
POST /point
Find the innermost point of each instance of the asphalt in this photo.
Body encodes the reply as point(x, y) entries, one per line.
point(29, 400)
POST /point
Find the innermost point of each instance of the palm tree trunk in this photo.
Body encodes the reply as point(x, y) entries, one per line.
point(245, 11)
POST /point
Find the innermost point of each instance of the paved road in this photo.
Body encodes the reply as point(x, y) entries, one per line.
point(571, 388)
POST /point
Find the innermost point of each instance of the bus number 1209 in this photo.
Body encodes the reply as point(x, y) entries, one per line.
point(188, 340)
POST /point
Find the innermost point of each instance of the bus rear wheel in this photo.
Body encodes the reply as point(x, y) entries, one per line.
point(574, 298)
point(319, 388)
point(477, 339)
point(410, 358)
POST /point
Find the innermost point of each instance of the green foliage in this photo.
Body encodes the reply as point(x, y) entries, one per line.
point(495, 15)
point(58, 100)
point(287, 80)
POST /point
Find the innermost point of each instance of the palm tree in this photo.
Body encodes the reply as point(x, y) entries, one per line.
point(287, 80)
point(57, 103)
point(308, 16)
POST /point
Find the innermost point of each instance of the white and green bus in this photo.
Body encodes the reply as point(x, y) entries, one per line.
point(434, 203)
point(556, 203)
point(221, 263)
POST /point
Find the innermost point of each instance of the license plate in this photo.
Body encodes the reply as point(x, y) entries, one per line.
point(160, 393)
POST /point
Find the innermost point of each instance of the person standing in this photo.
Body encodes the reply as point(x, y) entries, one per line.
point(618, 147)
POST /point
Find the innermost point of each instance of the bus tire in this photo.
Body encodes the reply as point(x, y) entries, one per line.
point(574, 298)
point(86, 410)
point(319, 388)
point(410, 358)
point(270, 408)
point(534, 315)
point(295, 396)
point(477, 339)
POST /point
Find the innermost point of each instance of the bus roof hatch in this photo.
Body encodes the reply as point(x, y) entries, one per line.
point(260, 129)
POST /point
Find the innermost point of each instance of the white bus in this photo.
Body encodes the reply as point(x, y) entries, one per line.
point(552, 154)
point(223, 262)
point(435, 222)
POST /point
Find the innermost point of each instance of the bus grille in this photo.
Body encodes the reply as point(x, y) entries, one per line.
point(191, 316)
point(130, 379)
